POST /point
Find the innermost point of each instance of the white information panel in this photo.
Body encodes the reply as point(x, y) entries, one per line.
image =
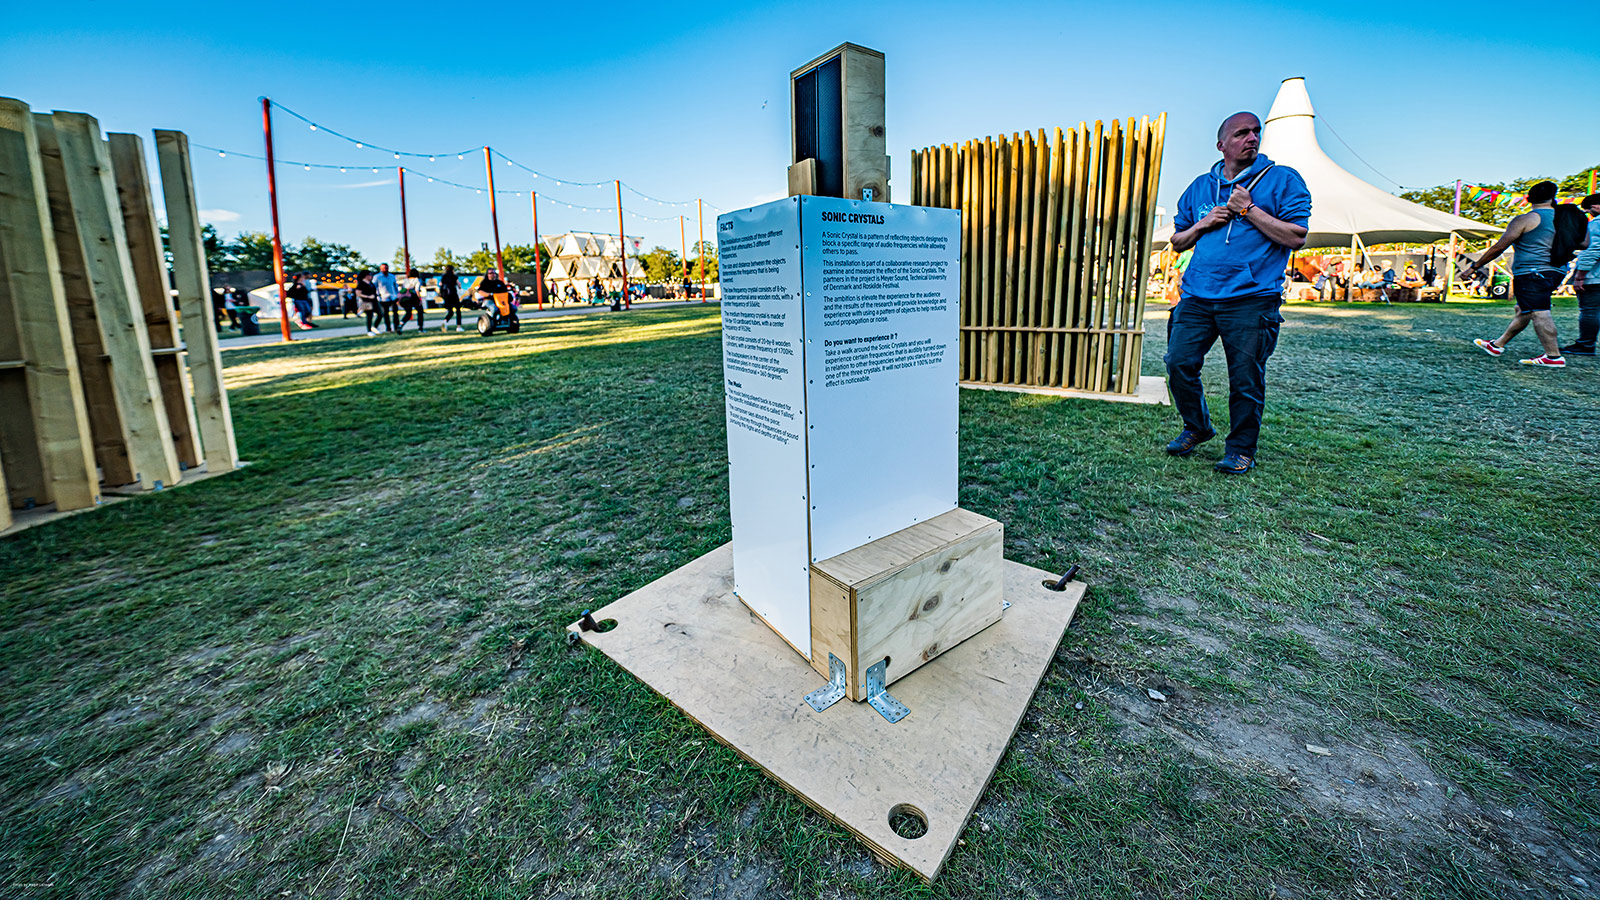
point(840, 321)
point(764, 391)
point(882, 316)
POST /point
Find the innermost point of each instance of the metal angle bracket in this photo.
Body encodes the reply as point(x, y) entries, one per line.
point(832, 692)
point(878, 693)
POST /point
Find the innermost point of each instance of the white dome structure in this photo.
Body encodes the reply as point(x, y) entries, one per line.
point(1342, 205)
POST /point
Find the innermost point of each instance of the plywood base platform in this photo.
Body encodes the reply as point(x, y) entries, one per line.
point(1152, 390)
point(23, 519)
point(686, 636)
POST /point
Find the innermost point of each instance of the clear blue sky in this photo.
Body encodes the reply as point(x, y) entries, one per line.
point(692, 101)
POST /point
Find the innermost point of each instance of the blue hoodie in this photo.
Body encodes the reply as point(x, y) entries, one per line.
point(1236, 260)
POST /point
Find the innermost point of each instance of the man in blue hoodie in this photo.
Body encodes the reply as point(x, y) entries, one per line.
point(1243, 219)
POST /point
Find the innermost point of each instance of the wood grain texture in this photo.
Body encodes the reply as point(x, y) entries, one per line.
point(685, 636)
point(87, 164)
point(60, 423)
point(907, 596)
point(193, 283)
point(137, 205)
point(94, 361)
point(20, 463)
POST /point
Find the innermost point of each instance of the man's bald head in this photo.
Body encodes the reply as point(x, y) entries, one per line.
point(1239, 139)
point(1231, 124)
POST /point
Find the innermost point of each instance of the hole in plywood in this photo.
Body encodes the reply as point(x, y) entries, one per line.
point(604, 625)
point(907, 821)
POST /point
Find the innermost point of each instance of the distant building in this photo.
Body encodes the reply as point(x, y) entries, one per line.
point(578, 257)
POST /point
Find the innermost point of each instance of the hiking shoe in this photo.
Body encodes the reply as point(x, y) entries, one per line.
point(1489, 347)
point(1187, 440)
point(1545, 360)
point(1235, 463)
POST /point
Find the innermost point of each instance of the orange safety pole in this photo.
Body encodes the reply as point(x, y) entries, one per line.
point(683, 248)
point(494, 216)
point(277, 240)
point(622, 246)
point(700, 248)
point(405, 234)
point(538, 264)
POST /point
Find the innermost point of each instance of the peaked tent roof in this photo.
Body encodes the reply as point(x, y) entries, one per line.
point(1343, 205)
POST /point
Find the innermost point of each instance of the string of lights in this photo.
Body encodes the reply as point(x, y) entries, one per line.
point(458, 154)
point(366, 145)
point(434, 179)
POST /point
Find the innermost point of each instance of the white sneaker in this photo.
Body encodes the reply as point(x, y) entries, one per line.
point(372, 332)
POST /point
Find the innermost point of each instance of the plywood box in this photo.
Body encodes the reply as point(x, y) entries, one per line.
point(906, 597)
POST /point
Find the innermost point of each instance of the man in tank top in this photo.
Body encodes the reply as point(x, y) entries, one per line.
point(1533, 278)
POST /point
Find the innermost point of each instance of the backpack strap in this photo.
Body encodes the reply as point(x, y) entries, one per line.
point(1260, 175)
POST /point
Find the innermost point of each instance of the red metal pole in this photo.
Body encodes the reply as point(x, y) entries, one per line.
point(683, 248)
point(405, 233)
point(622, 245)
point(538, 263)
point(277, 240)
point(494, 216)
point(700, 248)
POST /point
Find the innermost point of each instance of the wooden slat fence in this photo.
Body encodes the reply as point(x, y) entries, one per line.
point(1055, 235)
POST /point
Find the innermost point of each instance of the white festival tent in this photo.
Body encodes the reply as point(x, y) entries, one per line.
point(1343, 207)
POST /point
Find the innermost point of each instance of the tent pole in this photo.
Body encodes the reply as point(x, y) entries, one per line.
point(1350, 271)
point(1450, 268)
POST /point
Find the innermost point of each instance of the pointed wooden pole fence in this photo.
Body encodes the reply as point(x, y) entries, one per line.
point(494, 215)
point(277, 238)
point(538, 263)
point(622, 248)
point(1055, 237)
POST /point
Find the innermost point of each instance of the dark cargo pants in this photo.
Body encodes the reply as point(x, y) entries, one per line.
point(1248, 327)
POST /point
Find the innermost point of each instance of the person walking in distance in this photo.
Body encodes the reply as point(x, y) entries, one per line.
point(388, 298)
point(411, 299)
point(300, 296)
point(450, 296)
point(1534, 276)
point(367, 301)
point(1586, 278)
point(1242, 219)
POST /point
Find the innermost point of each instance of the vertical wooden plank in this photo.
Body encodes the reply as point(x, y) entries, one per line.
point(22, 474)
point(1139, 253)
point(1155, 151)
point(969, 257)
point(94, 362)
point(105, 254)
point(55, 395)
point(1086, 253)
point(1107, 245)
point(1024, 252)
point(1013, 202)
point(1117, 261)
point(1066, 254)
point(1049, 300)
point(137, 205)
point(1036, 268)
point(991, 225)
point(193, 281)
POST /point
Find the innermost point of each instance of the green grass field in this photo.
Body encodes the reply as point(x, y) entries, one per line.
point(341, 671)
